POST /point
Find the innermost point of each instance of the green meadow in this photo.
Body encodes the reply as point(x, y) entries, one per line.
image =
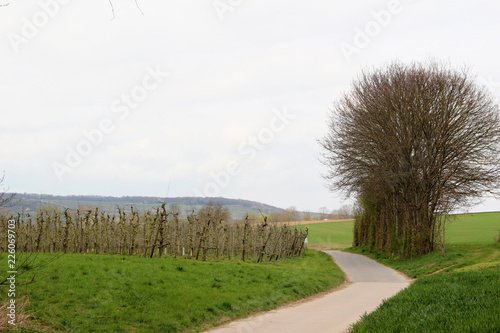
point(475, 228)
point(334, 235)
point(110, 293)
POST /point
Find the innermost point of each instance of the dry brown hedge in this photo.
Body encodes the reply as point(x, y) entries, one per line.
point(153, 234)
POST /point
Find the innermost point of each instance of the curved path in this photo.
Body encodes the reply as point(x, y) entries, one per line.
point(368, 284)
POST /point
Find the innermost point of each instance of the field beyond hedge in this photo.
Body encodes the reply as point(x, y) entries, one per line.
point(474, 228)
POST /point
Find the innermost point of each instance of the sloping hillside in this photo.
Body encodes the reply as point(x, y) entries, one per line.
point(238, 207)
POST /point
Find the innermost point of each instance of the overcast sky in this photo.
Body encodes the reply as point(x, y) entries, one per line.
point(208, 98)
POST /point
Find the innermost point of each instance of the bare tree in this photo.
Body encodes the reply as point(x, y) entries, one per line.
point(292, 214)
point(412, 142)
point(215, 210)
point(344, 212)
point(324, 213)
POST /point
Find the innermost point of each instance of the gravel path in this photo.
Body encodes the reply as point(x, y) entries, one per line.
point(368, 284)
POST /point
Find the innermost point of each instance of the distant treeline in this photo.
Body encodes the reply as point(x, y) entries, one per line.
point(29, 202)
point(145, 200)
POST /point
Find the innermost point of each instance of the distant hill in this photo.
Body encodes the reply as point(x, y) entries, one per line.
point(29, 202)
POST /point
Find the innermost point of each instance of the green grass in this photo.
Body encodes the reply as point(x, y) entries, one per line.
point(455, 293)
point(458, 302)
point(337, 235)
point(100, 293)
point(477, 228)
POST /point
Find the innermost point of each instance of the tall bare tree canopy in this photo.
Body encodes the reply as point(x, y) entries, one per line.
point(412, 143)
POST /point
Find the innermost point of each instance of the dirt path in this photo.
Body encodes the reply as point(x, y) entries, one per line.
point(368, 284)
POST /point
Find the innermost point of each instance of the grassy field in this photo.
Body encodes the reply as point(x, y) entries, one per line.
point(476, 228)
point(330, 235)
point(100, 293)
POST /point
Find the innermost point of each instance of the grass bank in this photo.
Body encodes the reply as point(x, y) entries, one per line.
point(455, 293)
point(104, 293)
point(457, 302)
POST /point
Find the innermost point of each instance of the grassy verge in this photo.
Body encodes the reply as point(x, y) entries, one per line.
point(85, 293)
point(457, 302)
point(455, 293)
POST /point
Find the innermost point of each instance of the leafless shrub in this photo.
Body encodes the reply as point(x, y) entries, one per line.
point(205, 234)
